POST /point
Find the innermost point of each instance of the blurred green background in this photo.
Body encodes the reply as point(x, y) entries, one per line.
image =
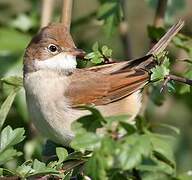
point(20, 20)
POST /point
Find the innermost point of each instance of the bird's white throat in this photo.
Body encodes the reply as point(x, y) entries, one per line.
point(61, 61)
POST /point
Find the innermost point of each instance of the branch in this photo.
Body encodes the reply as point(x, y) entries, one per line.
point(171, 77)
point(160, 13)
point(67, 13)
point(124, 33)
point(46, 12)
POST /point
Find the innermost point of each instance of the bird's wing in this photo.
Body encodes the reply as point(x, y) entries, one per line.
point(108, 83)
point(95, 87)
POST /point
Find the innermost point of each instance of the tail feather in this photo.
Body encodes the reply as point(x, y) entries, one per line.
point(160, 46)
point(165, 40)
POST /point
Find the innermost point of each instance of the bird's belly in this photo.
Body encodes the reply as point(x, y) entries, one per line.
point(50, 121)
point(56, 124)
point(130, 106)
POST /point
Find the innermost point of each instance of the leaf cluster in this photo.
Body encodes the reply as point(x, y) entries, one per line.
point(119, 148)
point(99, 55)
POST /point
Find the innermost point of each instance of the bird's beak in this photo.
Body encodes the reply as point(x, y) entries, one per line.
point(77, 52)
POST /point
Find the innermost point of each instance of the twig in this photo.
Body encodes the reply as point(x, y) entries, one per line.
point(10, 178)
point(46, 12)
point(124, 33)
point(67, 13)
point(171, 77)
point(160, 13)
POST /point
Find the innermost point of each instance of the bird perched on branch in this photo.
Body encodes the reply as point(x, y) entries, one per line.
point(55, 88)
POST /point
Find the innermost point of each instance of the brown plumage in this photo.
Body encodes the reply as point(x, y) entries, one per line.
point(100, 88)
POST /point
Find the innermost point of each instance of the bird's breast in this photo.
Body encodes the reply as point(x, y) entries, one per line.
point(47, 106)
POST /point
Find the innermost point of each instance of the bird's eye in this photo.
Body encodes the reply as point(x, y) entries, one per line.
point(52, 48)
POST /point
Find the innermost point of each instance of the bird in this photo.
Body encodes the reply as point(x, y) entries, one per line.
point(55, 87)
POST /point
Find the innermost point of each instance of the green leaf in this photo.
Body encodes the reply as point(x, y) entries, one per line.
point(89, 122)
point(128, 127)
point(163, 146)
point(13, 80)
point(159, 73)
point(97, 59)
point(162, 166)
point(156, 96)
point(166, 62)
point(41, 168)
point(141, 124)
point(95, 46)
point(10, 137)
point(98, 56)
point(95, 167)
point(38, 165)
point(90, 55)
point(85, 141)
point(132, 152)
point(8, 154)
point(106, 51)
point(170, 87)
point(108, 151)
point(5, 107)
point(61, 154)
point(25, 169)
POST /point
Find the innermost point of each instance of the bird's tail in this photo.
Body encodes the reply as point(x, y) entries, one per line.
point(165, 40)
point(148, 61)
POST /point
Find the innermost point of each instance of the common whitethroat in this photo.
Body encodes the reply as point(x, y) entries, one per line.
point(55, 87)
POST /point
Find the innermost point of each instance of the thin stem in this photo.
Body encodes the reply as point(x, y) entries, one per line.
point(124, 33)
point(177, 79)
point(67, 13)
point(160, 13)
point(180, 79)
point(46, 12)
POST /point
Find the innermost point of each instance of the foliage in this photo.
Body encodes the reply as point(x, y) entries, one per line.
point(115, 148)
point(99, 55)
point(9, 138)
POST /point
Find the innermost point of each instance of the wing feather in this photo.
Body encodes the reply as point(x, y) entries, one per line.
point(94, 87)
